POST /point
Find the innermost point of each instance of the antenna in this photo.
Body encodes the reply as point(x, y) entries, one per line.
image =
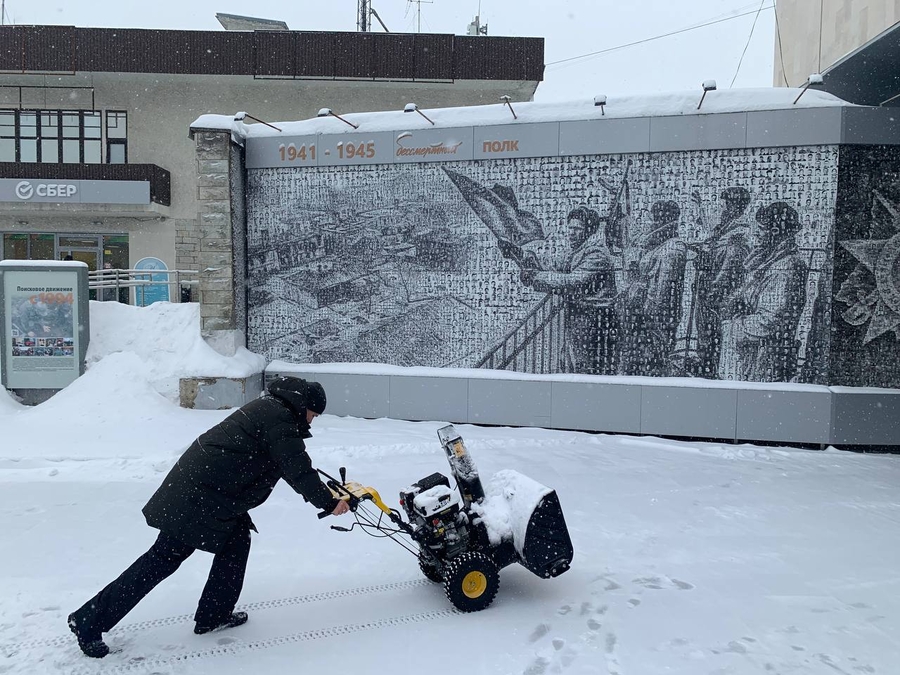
point(364, 18)
point(419, 12)
point(364, 14)
point(2, 12)
point(476, 27)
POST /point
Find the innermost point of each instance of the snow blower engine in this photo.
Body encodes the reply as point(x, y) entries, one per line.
point(464, 545)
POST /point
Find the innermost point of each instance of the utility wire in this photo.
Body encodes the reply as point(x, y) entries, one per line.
point(780, 49)
point(650, 39)
point(746, 46)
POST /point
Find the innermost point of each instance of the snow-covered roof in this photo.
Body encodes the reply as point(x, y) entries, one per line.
point(628, 106)
point(41, 264)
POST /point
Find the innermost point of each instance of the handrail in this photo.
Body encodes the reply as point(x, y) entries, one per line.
point(133, 278)
point(544, 330)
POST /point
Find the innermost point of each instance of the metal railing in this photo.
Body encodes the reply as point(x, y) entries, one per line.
point(535, 345)
point(139, 280)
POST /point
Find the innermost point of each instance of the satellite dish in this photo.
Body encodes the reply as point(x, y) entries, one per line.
point(237, 22)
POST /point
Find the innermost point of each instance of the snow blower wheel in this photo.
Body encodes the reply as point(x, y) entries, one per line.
point(431, 572)
point(471, 581)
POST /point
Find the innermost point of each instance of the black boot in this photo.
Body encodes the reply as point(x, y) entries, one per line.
point(236, 619)
point(89, 640)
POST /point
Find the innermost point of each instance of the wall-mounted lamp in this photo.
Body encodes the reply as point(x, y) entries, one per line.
point(328, 112)
point(601, 101)
point(815, 80)
point(239, 117)
point(507, 101)
point(412, 107)
point(708, 85)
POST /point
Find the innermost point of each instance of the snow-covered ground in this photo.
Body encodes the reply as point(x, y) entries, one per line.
point(690, 558)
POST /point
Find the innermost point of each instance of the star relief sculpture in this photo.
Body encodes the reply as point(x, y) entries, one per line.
point(872, 290)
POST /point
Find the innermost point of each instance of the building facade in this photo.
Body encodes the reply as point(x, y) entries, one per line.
point(854, 44)
point(95, 162)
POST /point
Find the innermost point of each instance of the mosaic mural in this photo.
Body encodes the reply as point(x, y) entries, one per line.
point(866, 322)
point(713, 264)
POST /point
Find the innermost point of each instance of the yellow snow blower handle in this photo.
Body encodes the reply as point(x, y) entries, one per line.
point(352, 491)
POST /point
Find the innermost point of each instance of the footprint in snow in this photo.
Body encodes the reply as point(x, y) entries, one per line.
point(540, 631)
point(537, 667)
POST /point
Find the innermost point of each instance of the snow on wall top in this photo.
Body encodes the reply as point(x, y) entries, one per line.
point(652, 105)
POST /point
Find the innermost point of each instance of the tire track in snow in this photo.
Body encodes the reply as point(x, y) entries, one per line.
point(251, 607)
point(234, 648)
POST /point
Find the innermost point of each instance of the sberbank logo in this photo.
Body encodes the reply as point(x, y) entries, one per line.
point(24, 190)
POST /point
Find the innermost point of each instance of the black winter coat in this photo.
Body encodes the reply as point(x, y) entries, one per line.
point(234, 467)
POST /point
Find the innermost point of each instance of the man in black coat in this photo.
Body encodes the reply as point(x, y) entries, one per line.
point(203, 504)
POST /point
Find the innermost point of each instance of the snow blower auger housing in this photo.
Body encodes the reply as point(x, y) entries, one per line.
point(455, 542)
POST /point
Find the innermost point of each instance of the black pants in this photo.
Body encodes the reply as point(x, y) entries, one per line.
point(220, 595)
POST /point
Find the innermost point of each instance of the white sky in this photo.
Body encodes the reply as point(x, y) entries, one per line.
point(570, 28)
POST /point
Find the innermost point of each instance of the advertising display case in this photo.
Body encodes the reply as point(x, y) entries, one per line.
point(44, 323)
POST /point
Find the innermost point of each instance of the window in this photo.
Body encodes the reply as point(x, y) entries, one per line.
point(116, 137)
point(7, 136)
point(51, 136)
point(28, 246)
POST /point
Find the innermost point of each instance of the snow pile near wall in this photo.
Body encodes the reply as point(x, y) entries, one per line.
point(125, 406)
point(8, 404)
point(165, 340)
point(510, 499)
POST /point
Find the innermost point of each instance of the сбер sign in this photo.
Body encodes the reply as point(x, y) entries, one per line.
point(32, 191)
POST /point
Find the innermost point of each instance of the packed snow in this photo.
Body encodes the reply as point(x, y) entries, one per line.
point(690, 559)
point(625, 106)
point(509, 500)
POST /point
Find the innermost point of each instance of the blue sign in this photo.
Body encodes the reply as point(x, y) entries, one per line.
point(153, 292)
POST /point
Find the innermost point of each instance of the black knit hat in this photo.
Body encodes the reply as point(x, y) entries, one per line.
point(315, 397)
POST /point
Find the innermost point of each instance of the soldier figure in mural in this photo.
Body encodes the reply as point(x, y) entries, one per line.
point(759, 330)
point(582, 271)
point(587, 282)
point(720, 268)
point(651, 301)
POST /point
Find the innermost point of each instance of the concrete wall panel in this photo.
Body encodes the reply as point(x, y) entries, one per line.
point(862, 418)
point(429, 398)
point(686, 411)
point(515, 402)
point(365, 396)
point(821, 126)
point(596, 407)
point(787, 416)
point(698, 132)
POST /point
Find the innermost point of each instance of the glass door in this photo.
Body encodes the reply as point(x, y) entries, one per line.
point(83, 248)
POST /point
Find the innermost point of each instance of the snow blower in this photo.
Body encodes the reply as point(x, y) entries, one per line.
point(463, 545)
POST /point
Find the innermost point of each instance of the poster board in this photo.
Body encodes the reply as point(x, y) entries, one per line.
point(44, 323)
